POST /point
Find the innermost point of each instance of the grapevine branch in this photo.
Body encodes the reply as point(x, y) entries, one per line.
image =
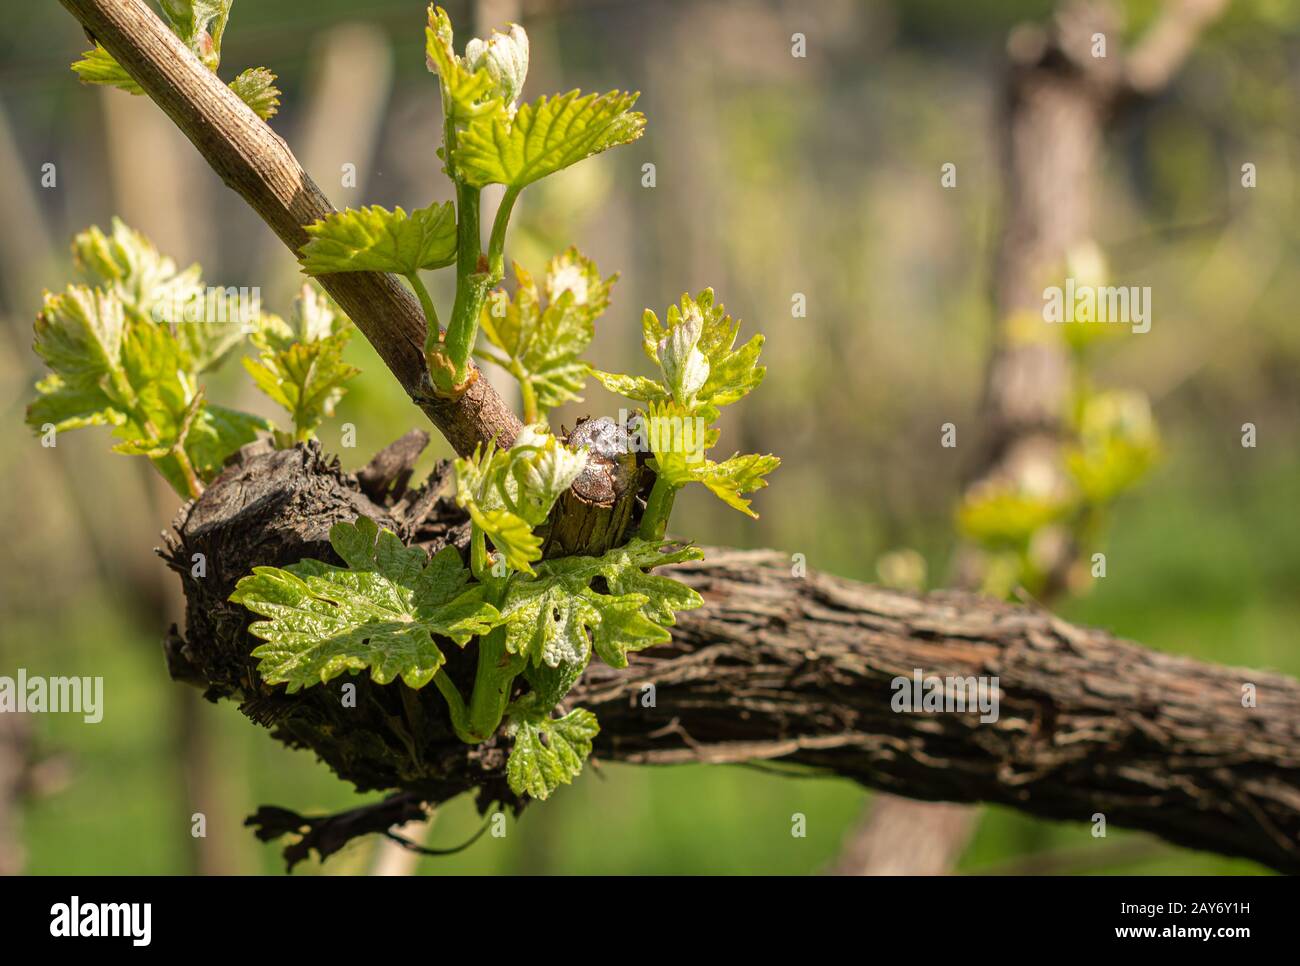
point(255, 162)
point(780, 667)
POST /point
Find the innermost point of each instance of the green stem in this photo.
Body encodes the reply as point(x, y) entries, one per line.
point(492, 683)
point(472, 283)
point(433, 334)
point(455, 705)
point(657, 508)
point(478, 561)
point(497, 243)
point(526, 392)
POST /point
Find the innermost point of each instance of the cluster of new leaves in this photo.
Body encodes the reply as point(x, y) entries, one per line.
point(388, 608)
point(509, 492)
point(382, 611)
point(487, 139)
point(1111, 445)
point(300, 365)
point(126, 348)
point(200, 25)
point(701, 370)
point(126, 351)
point(542, 347)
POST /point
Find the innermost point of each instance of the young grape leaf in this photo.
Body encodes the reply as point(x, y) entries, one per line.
point(547, 752)
point(543, 347)
point(256, 88)
point(728, 373)
point(208, 323)
point(1117, 444)
point(301, 365)
point(382, 611)
point(509, 492)
point(98, 66)
point(199, 24)
point(678, 441)
point(556, 617)
point(132, 375)
point(375, 239)
point(631, 387)
point(544, 136)
point(149, 285)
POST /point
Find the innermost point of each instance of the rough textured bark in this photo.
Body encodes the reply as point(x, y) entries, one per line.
point(255, 162)
point(776, 667)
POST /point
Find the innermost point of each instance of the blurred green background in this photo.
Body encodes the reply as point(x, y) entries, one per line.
point(775, 175)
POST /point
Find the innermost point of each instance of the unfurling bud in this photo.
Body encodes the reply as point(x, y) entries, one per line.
point(505, 56)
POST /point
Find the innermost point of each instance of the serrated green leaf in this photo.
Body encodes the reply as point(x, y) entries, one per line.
point(128, 264)
point(208, 323)
point(555, 617)
point(544, 136)
point(375, 239)
point(548, 752)
point(301, 365)
point(543, 347)
point(132, 375)
point(511, 535)
point(631, 387)
point(75, 406)
point(678, 441)
point(79, 334)
point(256, 88)
point(97, 66)
point(380, 612)
point(731, 372)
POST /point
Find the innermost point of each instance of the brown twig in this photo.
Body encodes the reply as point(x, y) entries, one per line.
point(256, 163)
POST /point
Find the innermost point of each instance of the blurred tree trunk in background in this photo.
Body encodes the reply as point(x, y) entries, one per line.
point(1058, 98)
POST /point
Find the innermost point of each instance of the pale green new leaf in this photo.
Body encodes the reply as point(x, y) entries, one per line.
point(556, 617)
point(200, 24)
point(375, 239)
point(208, 323)
point(130, 374)
point(301, 365)
point(631, 387)
point(678, 441)
point(98, 66)
point(511, 535)
point(381, 612)
point(256, 88)
point(545, 136)
point(544, 346)
point(509, 492)
point(730, 372)
point(547, 752)
point(126, 263)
